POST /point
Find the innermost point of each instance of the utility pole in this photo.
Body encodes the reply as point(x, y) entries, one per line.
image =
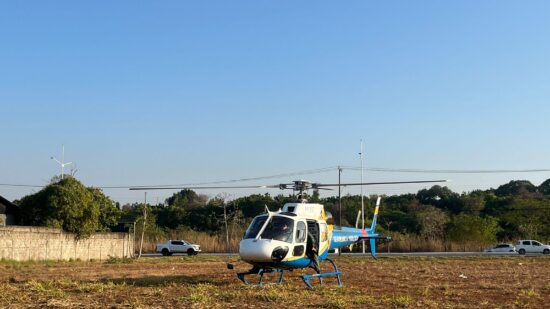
point(226, 230)
point(143, 227)
point(389, 224)
point(362, 203)
point(134, 242)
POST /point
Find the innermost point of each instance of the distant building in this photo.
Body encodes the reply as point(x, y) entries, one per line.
point(9, 212)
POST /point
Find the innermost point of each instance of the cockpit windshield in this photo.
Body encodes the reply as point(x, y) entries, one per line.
point(278, 228)
point(255, 227)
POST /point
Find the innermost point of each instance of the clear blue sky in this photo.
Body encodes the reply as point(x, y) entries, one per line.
point(148, 92)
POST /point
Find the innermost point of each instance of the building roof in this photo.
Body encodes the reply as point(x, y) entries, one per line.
point(7, 207)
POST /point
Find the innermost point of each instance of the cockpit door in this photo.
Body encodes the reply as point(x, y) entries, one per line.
point(300, 237)
point(323, 237)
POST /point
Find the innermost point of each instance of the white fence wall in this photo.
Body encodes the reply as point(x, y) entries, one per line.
point(23, 243)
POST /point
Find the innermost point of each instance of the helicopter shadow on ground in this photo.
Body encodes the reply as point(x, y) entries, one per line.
point(152, 281)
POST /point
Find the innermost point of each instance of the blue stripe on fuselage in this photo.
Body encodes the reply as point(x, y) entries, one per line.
point(301, 262)
point(345, 236)
point(304, 261)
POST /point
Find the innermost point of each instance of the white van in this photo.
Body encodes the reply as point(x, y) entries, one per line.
point(532, 246)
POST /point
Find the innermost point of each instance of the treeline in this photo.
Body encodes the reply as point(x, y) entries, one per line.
point(432, 219)
point(435, 218)
point(68, 204)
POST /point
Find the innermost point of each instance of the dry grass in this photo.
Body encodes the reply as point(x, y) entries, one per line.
point(208, 242)
point(416, 243)
point(204, 282)
point(400, 242)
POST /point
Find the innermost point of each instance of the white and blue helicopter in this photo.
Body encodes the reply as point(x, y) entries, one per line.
point(300, 235)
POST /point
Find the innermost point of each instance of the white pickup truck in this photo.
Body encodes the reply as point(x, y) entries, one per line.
point(531, 246)
point(178, 246)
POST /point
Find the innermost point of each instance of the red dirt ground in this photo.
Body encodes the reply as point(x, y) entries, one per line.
point(205, 282)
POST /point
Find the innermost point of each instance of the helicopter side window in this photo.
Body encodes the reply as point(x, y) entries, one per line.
point(300, 232)
point(255, 227)
point(324, 232)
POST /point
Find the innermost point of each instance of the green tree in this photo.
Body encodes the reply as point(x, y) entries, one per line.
point(179, 206)
point(528, 217)
point(544, 187)
point(109, 213)
point(186, 198)
point(441, 197)
point(473, 203)
point(399, 202)
point(153, 233)
point(254, 204)
point(516, 187)
point(432, 222)
point(464, 227)
point(69, 205)
point(397, 220)
point(351, 205)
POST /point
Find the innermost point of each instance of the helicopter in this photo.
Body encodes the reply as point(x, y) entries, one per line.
point(299, 235)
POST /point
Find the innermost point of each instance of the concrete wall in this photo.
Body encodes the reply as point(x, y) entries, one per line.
point(22, 243)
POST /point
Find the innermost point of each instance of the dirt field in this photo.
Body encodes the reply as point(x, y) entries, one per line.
point(205, 282)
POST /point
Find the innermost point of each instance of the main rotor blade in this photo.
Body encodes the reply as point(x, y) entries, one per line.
point(321, 186)
point(377, 183)
point(204, 187)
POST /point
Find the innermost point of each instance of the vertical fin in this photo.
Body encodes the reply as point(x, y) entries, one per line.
point(373, 225)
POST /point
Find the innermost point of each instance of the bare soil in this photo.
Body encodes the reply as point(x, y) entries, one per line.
point(205, 282)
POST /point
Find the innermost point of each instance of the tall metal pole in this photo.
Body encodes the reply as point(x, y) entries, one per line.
point(362, 202)
point(143, 227)
point(340, 194)
point(62, 160)
point(340, 201)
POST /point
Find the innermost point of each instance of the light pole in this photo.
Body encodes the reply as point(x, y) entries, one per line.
point(62, 163)
point(224, 198)
point(362, 203)
point(339, 195)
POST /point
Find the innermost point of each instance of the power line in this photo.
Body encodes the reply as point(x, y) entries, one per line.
point(316, 171)
point(436, 171)
point(20, 185)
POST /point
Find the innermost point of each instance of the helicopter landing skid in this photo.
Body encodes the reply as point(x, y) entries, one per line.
point(336, 273)
point(260, 273)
